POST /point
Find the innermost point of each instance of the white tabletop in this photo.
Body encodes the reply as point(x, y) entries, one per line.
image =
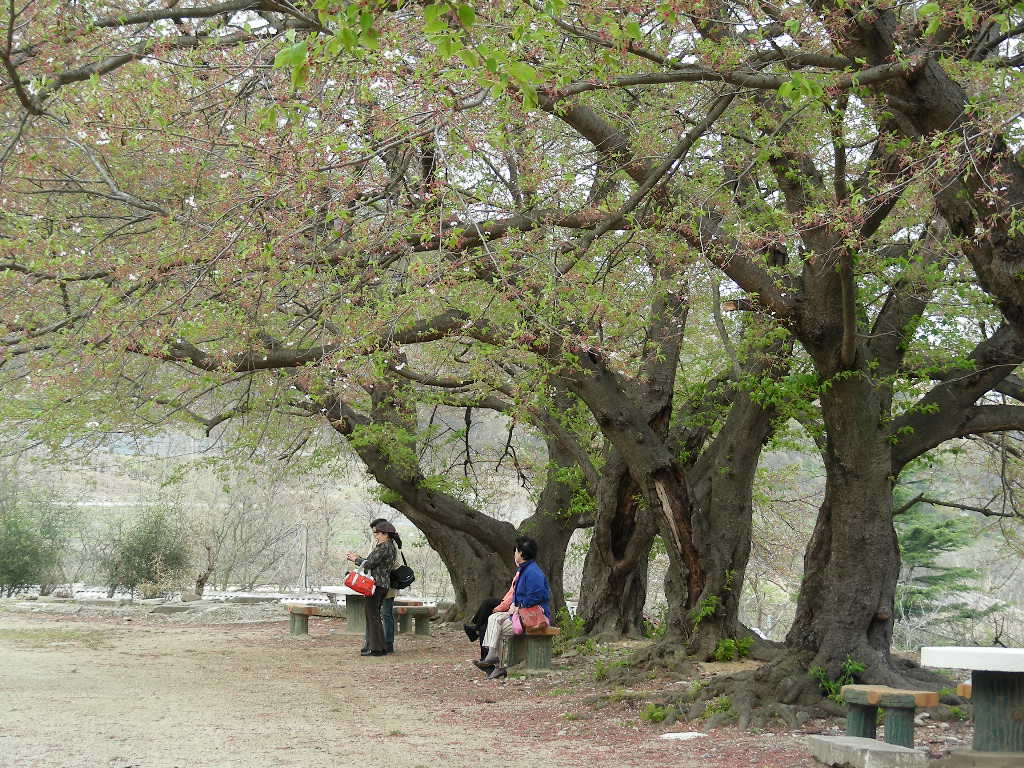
point(339, 591)
point(986, 659)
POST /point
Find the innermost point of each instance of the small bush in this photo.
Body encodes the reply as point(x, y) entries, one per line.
point(150, 554)
point(729, 649)
point(33, 537)
point(716, 705)
point(957, 713)
point(654, 713)
point(832, 688)
point(656, 626)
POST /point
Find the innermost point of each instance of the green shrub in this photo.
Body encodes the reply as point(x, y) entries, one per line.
point(729, 649)
point(654, 713)
point(716, 705)
point(588, 647)
point(847, 674)
point(707, 608)
point(572, 629)
point(656, 627)
point(33, 537)
point(150, 553)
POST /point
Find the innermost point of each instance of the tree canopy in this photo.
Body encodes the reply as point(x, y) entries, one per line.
point(652, 233)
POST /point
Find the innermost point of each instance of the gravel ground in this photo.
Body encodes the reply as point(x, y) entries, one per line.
point(225, 686)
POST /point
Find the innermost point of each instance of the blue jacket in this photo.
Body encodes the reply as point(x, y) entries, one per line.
point(532, 588)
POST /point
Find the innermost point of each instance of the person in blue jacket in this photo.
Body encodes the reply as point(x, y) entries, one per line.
point(529, 588)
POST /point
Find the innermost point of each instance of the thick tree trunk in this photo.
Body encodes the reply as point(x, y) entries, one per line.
point(614, 586)
point(845, 607)
point(722, 481)
point(703, 613)
point(478, 570)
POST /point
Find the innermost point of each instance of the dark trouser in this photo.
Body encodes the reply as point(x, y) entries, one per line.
point(374, 626)
point(387, 615)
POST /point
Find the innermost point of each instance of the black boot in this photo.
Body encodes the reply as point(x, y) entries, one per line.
point(390, 648)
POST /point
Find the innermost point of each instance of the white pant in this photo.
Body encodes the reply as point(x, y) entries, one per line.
point(499, 627)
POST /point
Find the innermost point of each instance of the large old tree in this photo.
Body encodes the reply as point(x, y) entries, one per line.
point(522, 194)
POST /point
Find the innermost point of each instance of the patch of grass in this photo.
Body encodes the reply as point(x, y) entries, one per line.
point(572, 629)
point(656, 626)
point(716, 705)
point(44, 637)
point(832, 688)
point(730, 649)
point(396, 733)
point(600, 670)
point(571, 716)
point(946, 691)
point(958, 713)
point(654, 713)
point(588, 647)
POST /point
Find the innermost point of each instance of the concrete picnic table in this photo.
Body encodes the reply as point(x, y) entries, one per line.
point(997, 679)
point(355, 606)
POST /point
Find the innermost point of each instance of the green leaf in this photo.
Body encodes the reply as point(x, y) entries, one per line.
point(291, 56)
point(467, 16)
point(370, 39)
point(522, 72)
point(300, 75)
point(529, 97)
point(432, 12)
point(435, 26)
point(634, 31)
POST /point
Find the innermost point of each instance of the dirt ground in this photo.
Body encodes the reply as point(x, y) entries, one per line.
point(127, 689)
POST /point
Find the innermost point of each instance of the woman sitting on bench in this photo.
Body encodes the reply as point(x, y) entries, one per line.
point(529, 588)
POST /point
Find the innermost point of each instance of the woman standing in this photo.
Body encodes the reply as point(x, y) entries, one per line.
point(380, 562)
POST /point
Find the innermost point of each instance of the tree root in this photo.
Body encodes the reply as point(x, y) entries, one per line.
point(781, 693)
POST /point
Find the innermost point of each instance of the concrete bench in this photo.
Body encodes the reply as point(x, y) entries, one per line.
point(533, 648)
point(899, 705)
point(853, 752)
point(422, 614)
point(298, 616)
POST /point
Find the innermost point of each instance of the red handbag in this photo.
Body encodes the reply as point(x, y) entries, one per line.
point(359, 582)
point(534, 619)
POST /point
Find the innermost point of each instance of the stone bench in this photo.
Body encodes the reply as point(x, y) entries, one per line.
point(899, 705)
point(533, 648)
point(298, 616)
point(422, 614)
point(853, 752)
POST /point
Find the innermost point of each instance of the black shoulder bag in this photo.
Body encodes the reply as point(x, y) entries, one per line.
point(402, 576)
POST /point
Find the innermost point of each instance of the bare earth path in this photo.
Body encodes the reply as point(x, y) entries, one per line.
point(80, 693)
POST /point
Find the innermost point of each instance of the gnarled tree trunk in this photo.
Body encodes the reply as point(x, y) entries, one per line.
point(614, 586)
point(852, 563)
